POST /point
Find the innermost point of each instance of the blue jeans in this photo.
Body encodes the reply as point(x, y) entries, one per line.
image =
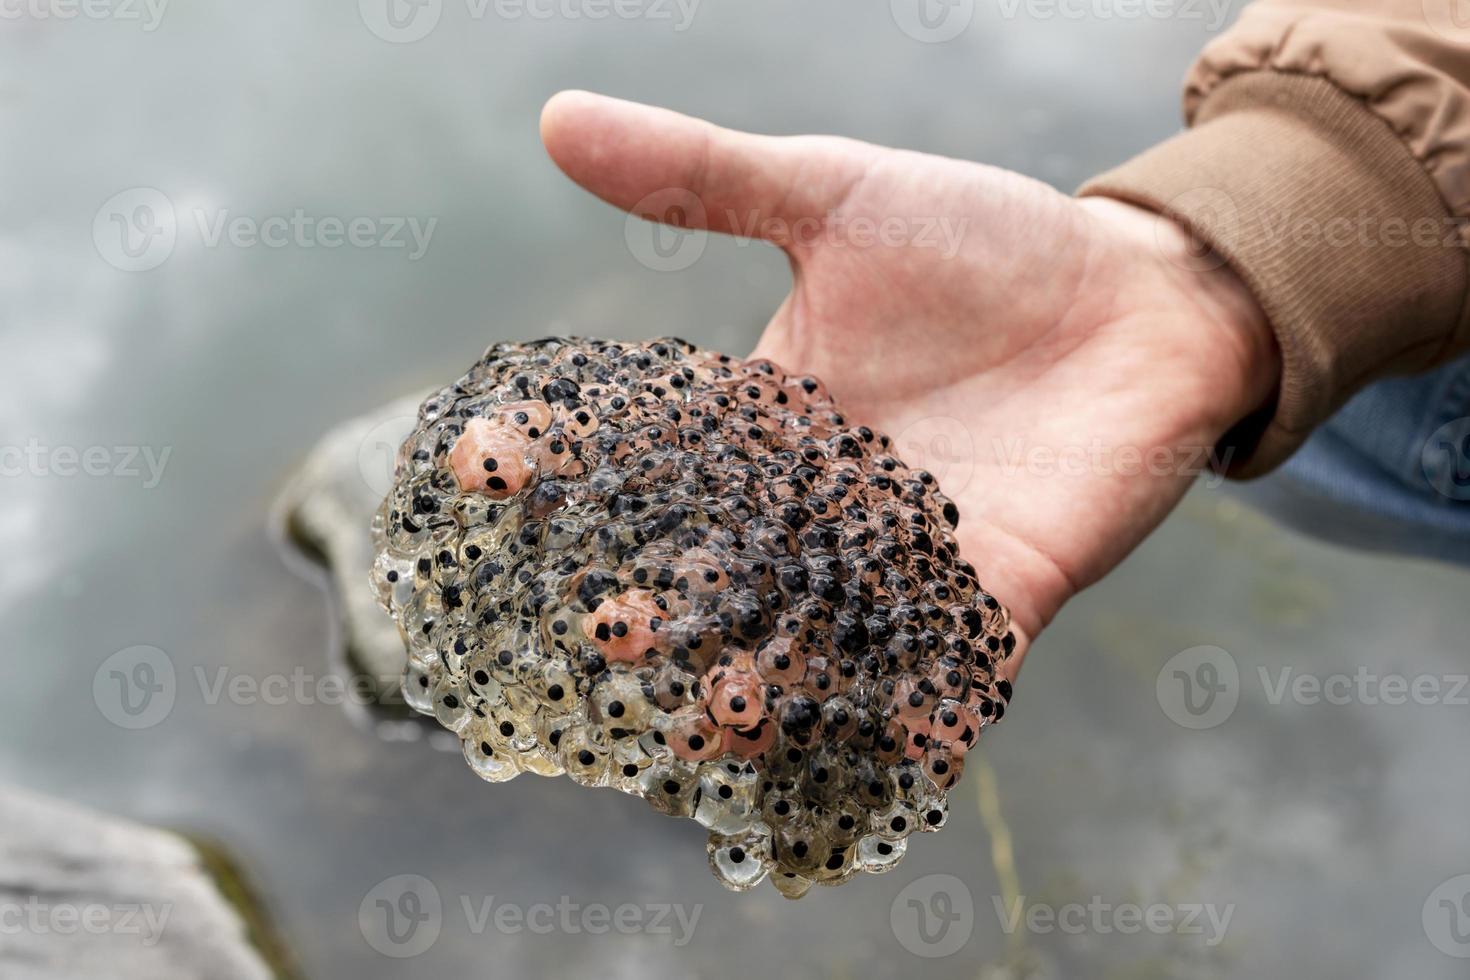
point(1389, 472)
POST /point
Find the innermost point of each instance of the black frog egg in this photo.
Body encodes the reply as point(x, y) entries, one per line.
point(691, 579)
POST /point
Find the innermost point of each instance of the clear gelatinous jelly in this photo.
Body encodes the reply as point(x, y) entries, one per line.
point(687, 577)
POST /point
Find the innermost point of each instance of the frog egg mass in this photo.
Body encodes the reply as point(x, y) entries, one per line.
point(687, 577)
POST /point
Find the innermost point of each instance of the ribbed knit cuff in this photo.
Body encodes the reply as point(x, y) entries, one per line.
point(1330, 221)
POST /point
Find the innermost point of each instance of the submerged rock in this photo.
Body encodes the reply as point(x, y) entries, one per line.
point(322, 518)
point(87, 895)
point(688, 578)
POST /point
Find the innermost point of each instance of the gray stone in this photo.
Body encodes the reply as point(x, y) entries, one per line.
point(84, 895)
point(322, 520)
point(324, 515)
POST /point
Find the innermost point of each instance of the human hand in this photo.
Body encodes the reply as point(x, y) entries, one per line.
point(1087, 329)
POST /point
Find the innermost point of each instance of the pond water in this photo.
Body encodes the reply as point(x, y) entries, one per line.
point(1322, 830)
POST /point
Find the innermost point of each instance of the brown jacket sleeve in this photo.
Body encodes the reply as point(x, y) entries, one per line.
point(1328, 161)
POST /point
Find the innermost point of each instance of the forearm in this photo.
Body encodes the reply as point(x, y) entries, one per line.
point(1325, 164)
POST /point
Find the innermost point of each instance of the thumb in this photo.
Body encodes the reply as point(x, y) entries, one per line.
point(672, 168)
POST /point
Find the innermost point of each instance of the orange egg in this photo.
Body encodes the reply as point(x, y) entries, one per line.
point(692, 737)
point(734, 695)
point(492, 458)
point(624, 627)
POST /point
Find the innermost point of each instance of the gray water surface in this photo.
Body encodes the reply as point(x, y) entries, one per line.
point(1323, 828)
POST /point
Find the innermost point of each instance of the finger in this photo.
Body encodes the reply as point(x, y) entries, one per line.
point(642, 159)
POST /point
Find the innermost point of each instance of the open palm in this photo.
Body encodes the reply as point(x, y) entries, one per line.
point(1062, 366)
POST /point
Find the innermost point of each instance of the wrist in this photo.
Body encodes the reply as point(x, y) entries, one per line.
point(1229, 333)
